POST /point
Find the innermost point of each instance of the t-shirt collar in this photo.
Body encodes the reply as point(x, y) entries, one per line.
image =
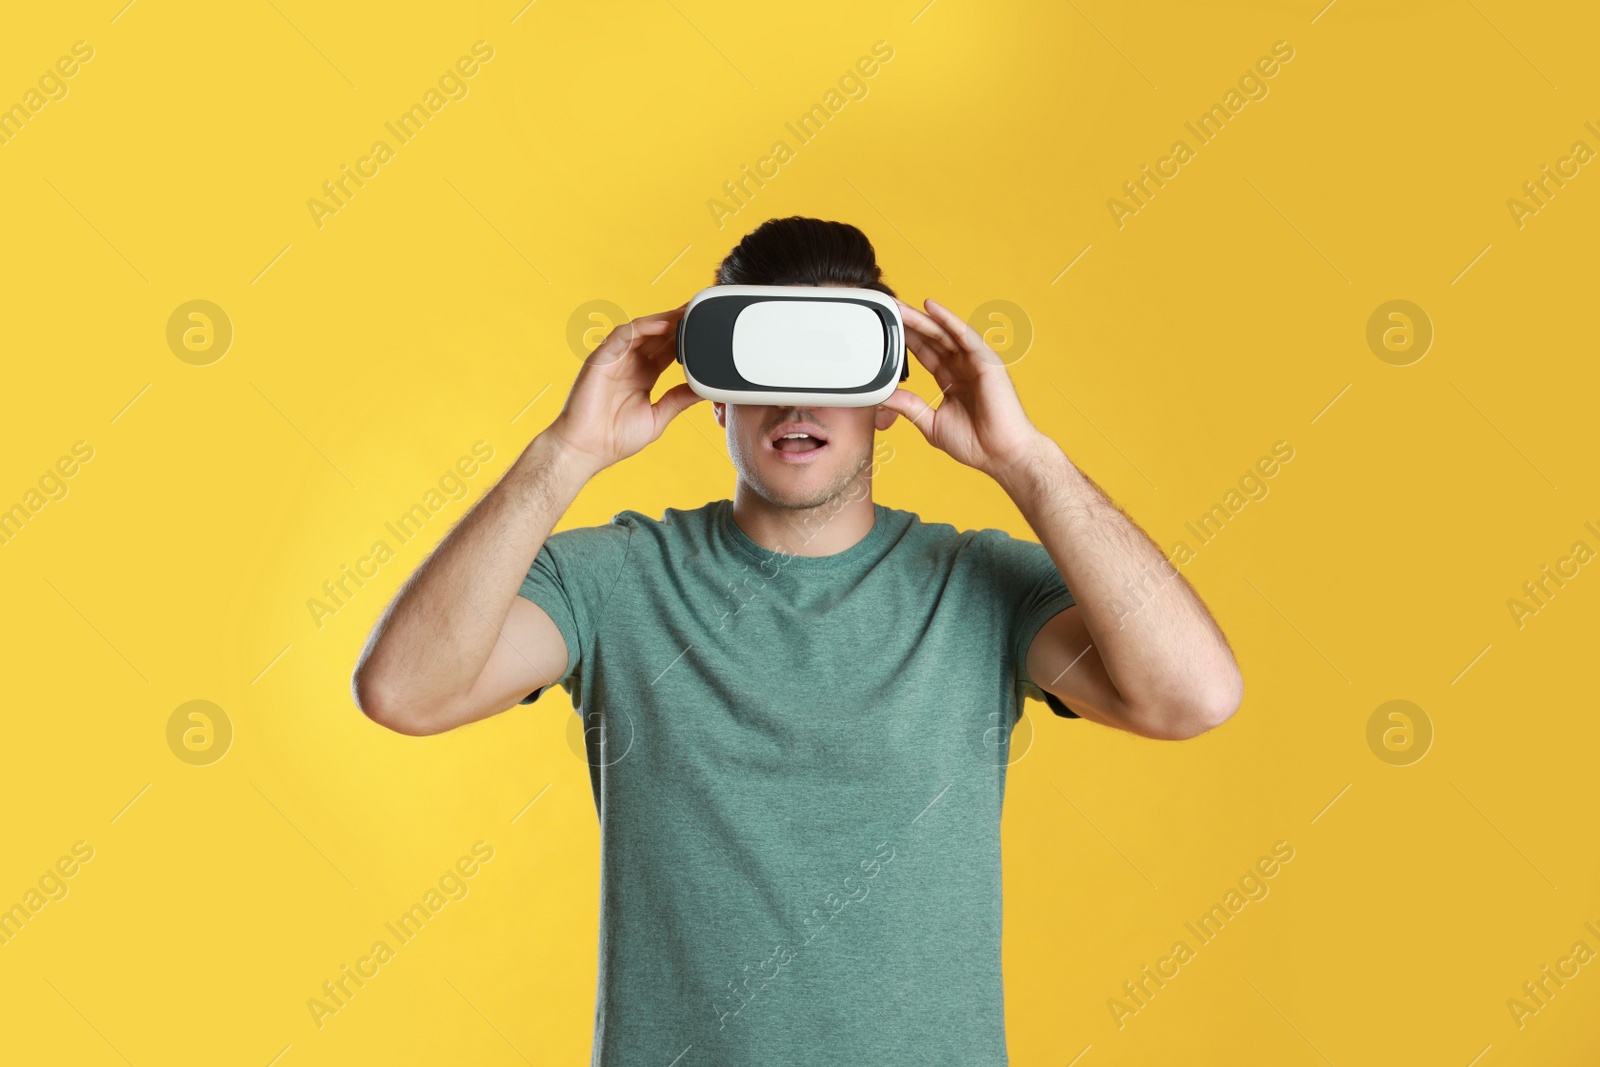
point(866, 547)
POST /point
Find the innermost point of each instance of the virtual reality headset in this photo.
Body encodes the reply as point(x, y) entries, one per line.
point(817, 346)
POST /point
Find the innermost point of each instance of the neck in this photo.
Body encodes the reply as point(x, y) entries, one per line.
point(824, 530)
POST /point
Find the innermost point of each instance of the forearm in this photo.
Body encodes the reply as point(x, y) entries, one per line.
point(1159, 645)
point(433, 640)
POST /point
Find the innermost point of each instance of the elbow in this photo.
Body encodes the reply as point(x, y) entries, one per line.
point(379, 703)
point(1212, 704)
point(1203, 708)
point(1218, 705)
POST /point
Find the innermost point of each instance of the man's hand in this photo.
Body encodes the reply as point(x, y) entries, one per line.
point(980, 421)
point(608, 415)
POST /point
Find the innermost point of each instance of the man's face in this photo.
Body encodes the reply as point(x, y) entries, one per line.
point(800, 471)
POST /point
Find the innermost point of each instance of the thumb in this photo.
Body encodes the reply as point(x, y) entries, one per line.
point(673, 402)
point(913, 407)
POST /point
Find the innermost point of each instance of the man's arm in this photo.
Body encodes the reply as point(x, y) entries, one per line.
point(1138, 650)
point(458, 644)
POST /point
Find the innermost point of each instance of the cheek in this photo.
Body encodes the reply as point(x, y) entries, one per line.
point(744, 448)
point(852, 453)
point(746, 439)
point(858, 437)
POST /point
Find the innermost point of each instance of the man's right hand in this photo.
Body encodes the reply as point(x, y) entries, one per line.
point(608, 415)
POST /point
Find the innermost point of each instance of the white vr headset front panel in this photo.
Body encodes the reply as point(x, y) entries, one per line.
point(814, 346)
point(810, 344)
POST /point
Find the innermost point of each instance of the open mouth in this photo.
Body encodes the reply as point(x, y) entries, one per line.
point(797, 443)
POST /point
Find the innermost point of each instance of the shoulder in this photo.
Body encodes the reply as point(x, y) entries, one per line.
point(943, 538)
point(672, 522)
point(629, 521)
point(678, 531)
point(616, 531)
point(579, 551)
point(987, 557)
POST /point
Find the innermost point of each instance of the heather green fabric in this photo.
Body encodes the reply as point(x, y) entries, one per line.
point(798, 765)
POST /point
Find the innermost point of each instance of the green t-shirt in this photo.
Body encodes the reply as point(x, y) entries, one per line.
point(798, 765)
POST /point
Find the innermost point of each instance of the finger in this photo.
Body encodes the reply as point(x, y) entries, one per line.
point(674, 313)
point(647, 362)
point(927, 327)
point(913, 407)
point(661, 331)
point(926, 339)
point(929, 357)
point(627, 338)
point(920, 322)
point(671, 316)
point(652, 325)
point(653, 345)
point(673, 402)
point(962, 335)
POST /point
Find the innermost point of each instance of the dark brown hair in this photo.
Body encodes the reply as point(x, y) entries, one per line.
point(803, 251)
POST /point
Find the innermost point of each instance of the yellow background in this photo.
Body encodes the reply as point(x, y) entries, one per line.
point(372, 352)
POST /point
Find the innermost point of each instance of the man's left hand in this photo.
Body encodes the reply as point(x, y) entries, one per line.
point(980, 420)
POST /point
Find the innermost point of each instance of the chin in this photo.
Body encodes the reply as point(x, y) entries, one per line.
point(804, 488)
point(795, 491)
point(801, 502)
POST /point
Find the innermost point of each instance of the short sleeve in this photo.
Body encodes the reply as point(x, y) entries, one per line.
point(1027, 578)
point(571, 579)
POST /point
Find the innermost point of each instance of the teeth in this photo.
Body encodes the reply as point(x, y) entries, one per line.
point(787, 436)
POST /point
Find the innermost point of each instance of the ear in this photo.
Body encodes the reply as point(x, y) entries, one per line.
point(720, 410)
point(884, 418)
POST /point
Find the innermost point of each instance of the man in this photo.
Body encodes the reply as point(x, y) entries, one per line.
point(799, 702)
